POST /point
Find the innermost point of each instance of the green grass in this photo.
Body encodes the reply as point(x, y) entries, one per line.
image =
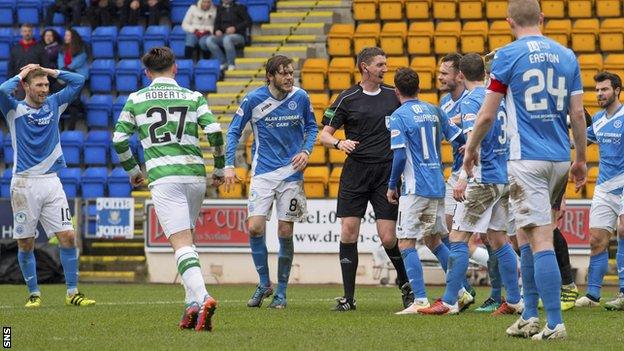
point(133, 317)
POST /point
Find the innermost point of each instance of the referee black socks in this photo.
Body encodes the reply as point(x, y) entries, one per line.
point(348, 264)
point(397, 261)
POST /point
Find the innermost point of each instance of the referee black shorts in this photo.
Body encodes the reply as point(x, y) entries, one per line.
point(364, 182)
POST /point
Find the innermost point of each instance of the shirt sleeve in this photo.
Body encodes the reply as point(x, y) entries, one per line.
point(235, 130)
point(310, 128)
point(577, 84)
point(591, 135)
point(397, 132)
point(336, 114)
point(468, 110)
point(501, 68)
point(449, 129)
point(71, 91)
point(7, 101)
point(125, 127)
point(212, 128)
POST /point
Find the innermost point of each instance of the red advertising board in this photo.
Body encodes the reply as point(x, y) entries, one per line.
point(574, 223)
point(219, 225)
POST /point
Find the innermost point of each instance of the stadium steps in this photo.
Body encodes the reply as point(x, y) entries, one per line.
point(300, 51)
point(238, 86)
point(314, 16)
point(247, 63)
point(247, 74)
point(307, 4)
point(224, 98)
point(297, 38)
point(319, 28)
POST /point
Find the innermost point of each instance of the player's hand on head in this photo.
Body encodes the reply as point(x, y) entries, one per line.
point(300, 161)
point(578, 174)
point(393, 196)
point(348, 145)
point(27, 69)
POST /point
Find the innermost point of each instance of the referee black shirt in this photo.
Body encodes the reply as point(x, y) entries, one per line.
point(363, 115)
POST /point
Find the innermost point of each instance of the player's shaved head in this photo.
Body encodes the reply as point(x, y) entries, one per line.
point(524, 13)
point(472, 67)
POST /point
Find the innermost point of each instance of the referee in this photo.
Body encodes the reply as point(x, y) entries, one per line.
point(362, 111)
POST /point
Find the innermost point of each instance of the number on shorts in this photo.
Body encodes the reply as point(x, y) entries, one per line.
point(164, 116)
point(293, 205)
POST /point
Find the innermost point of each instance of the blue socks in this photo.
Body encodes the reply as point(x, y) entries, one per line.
point(441, 252)
point(260, 258)
point(447, 242)
point(528, 282)
point(69, 260)
point(598, 266)
point(619, 260)
point(456, 274)
point(414, 271)
point(548, 281)
point(508, 272)
point(284, 262)
point(28, 266)
point(495, 277)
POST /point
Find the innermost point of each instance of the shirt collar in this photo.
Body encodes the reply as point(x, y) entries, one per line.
point(164, 80)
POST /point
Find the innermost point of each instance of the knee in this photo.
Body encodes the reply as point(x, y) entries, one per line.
point(597, 243)
point(26, 245)
point(285, 230)
point(349, 234)
point(256, 229)
point(432, 241)
point(405, 244)
point(67, 238)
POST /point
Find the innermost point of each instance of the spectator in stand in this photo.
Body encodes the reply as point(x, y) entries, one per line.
point(71, 9)
point(231, 29)
point(51, 42)
point(198, 24)
point(73, 58)
point(103, 12)
point(156, 9)
point(24, 52)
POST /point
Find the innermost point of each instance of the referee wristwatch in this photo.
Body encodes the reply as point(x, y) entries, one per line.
point(336, 143)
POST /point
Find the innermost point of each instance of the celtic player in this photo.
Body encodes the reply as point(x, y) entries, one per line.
point(167, 118)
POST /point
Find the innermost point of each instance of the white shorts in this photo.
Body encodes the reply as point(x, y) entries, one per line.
point(449, 201)
point(532, 190)
point(511, 223)
point(177, 205)
point(290, 200)
point(605, 210)
point(486, 207)
point(39, 198)
point(420, 216)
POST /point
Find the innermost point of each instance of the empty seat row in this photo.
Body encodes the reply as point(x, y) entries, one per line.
point(26, 11)
point(91, 183)
point(371, 10)
point(128, 75)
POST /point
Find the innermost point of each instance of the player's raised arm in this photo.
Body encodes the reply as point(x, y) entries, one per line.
point(235, 130)
point(74, 83)
point(125, 127)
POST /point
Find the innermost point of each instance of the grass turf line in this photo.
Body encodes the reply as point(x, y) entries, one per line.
point(140, 317)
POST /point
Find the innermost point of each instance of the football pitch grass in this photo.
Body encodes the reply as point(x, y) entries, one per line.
point(145, 317)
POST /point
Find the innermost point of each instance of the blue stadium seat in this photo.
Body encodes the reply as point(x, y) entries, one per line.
point(185, 73)
point(179, 8)
point(28, 11)
point(119, 183)
point(206, 75)
point(177, 41)
point(101, 76)
point(70, 178)
point(155, 36)
point(103, 42)
point(259, 10)
point(5, 183)
point(96, 147)
point(7, 9)
point(4, 67)
point(58, 19)
point(99, 110)
point(85, 33)
point(118, 105)
point(71, 143)
point(6, 41)
point(127, 75)
point(93, 182)
point(129, 41)
point(89, 225)
point(7, 149)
